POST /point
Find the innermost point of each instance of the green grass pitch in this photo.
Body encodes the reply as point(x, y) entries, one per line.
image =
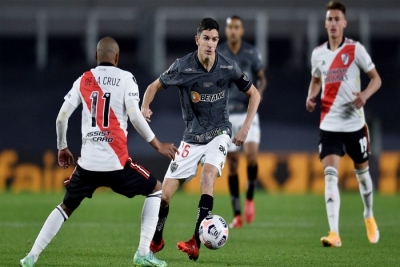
point(104, 231)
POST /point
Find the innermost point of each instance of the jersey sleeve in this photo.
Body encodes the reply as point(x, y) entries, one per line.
point(257, 61)
point(363, 59)
point(315, 72)
point(73, 96)
point(240, 79)
point(131, 89)
point(171, 77)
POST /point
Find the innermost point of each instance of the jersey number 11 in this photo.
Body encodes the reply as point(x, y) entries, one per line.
point(105, 115)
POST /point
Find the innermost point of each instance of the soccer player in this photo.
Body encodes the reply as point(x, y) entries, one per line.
point(249, 60)
point(108, 96)
point(336, 68)
point(204, 79)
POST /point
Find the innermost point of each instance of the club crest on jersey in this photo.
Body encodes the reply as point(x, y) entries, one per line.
point(196, 97)
point(173, 166)
point(345, 59)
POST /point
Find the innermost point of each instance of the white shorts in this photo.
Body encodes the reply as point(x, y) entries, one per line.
point(190, 155)
point(254, 132)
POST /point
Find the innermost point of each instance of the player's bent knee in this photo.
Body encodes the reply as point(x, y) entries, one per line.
point(158, 187)
point(66, 209)
point(156, 193)
point(252, 161)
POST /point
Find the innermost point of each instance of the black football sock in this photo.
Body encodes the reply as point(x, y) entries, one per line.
point(252, 181)
point(233, 182)
point(205, 207)
point(162, 217)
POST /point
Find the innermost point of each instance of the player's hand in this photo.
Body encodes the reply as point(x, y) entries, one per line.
point(65, 158)
point(359, 101)
point(146, 112)
point(310, 104)
point(240, 137)
point(168, 150)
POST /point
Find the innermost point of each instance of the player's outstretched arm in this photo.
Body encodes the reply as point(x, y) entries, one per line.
point(313, 91)
point(373, 86)
point(254, 101)
point(148, 97)
point(65, 157)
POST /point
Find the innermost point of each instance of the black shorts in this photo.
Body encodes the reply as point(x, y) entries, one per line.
point(132, 180)
point(355, 144)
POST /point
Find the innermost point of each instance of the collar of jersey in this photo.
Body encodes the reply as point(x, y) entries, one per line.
point(329, 46)
point(201, 65)
point(106, 64)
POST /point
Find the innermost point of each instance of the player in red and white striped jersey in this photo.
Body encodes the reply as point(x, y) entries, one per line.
point(336, 68)
point(108, 96)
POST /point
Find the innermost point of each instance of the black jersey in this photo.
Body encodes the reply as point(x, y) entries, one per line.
point(204, 95)
point(249, 60)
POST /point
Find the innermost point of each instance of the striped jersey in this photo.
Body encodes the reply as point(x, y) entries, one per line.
point(339, 71)
point(103, 92)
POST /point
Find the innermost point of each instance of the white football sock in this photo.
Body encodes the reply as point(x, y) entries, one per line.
point(150, 211)
point(332, 198)
point(50, 228)
point(366, 190)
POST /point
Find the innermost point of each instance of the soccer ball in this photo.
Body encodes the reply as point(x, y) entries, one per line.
point(213, 232)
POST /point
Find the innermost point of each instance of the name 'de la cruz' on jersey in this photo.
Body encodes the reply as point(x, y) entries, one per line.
point(249, 60)
point(204, 95)
point(103, 92)
point(339, 71)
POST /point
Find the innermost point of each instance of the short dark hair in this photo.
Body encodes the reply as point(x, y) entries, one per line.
point(235, 17)
point(207, 24)
point(333, 5)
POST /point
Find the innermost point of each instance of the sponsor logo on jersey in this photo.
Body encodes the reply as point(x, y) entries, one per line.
point(196, 97)
point(133, 94)
point(208, 135)
point(100, 136)
point(345, 59)
point(245, 77)
point(173, 166)
point(229, 67)
point(335, 75)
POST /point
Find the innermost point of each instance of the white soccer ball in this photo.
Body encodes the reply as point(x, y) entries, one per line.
point(213, 232)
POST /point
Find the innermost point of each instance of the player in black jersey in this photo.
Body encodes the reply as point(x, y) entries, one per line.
point(204, 79)
point(249, 60)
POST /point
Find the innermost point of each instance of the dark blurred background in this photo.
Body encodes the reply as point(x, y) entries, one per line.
point(45, 45)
